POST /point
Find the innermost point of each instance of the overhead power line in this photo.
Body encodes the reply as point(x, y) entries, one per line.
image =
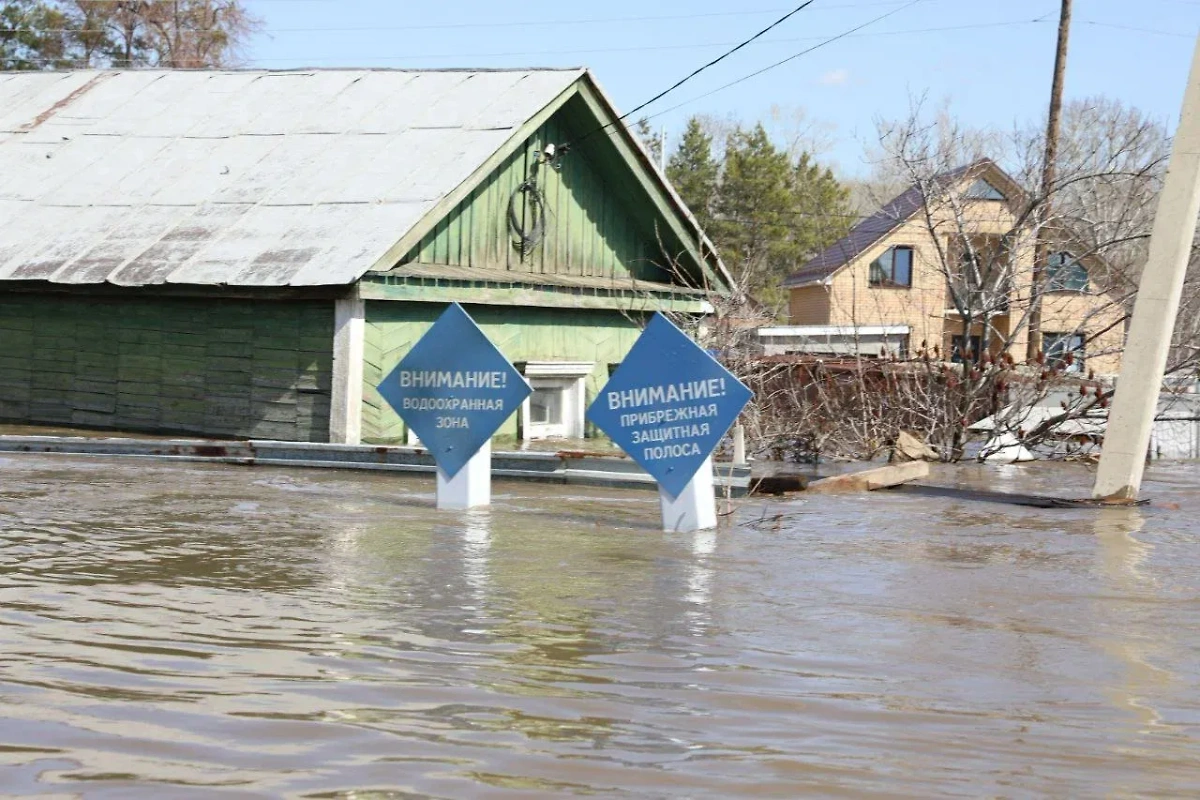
point(566, 146)
point(721, 58)
point(1137, 30)
point(648, 48)
point(529, 23)
point(793, 57)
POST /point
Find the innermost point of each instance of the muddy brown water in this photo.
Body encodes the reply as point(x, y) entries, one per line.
point(193, 631)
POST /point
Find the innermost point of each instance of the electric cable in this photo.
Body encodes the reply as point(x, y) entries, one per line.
point(528, 233)
point(790, 58)
point(696, 72)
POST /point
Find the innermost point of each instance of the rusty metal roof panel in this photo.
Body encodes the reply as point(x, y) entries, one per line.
point(192, 233)
point(126, 237)
point(27, 100)
point(240, 177)
point(70, 231)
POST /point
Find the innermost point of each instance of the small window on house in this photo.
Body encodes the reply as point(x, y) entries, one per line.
point(1065, 274)
point(966, 350)
point(893, 268)
point(1058, 346)
point(546, 406)
point(982, 190)
point(555, 409)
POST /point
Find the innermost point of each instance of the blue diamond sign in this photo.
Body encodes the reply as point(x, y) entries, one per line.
point(669, 404)
point(454, 389)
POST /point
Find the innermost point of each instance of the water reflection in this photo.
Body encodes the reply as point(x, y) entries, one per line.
point(1135, 639)
point(166, 630)
point(477, 541)
point(700, 580)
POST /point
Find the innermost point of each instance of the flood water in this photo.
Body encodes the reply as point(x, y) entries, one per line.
point(193, 631)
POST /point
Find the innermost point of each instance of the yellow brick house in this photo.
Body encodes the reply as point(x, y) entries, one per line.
point(904, 277)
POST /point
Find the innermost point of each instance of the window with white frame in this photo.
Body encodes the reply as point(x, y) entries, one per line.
point(555, 409)
point(1065, 274)
point(1065, 351)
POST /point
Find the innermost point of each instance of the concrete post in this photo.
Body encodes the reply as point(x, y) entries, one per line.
point(694, 508)
point(739, 446)
point(1131, 419)
point(471, 487)
point(349, 339)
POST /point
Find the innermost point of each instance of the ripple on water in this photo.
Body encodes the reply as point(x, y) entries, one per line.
point(175, 630)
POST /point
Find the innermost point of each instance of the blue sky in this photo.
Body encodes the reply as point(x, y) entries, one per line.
point(990, 60)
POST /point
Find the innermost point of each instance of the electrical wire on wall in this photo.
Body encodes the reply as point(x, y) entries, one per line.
point(527, 205)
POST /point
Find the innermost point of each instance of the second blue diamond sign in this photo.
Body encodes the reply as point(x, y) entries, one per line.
point(669, 404)
point(454, 389)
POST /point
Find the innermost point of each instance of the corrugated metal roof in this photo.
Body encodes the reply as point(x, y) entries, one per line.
point(245, 178)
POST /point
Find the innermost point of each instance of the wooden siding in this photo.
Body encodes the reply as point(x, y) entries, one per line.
point(228, 368)
point(533, 334)
point(593, 227)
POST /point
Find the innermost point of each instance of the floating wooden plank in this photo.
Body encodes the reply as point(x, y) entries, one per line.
point(871, 479)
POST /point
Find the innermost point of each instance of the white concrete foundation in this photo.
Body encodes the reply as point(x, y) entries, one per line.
point(695, 508)
point(471, 487)
point(739, 446)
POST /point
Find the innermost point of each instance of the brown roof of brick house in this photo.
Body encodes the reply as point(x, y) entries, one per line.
point(871, 230)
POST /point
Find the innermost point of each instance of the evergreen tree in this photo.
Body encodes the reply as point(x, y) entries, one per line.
point(766, 212)
point(694, 172)
point(649, 138)
point(32, 35)
point(753, 210)
point(822, 208)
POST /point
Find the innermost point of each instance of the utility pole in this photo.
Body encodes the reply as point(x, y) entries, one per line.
point(1127, 439)
point(1049, 173)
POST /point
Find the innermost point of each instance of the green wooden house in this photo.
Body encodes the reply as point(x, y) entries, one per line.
point(247, 253)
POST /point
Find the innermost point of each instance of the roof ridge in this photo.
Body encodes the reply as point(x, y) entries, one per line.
point(868, 231)
point(272, 70)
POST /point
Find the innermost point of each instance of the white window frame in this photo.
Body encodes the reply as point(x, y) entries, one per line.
point(569, 377)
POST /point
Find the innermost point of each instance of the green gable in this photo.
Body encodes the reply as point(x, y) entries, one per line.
point(606, 214)
point(590, 229)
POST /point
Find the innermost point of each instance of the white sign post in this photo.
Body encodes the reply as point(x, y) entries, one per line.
point(695, 507)
point(471, 487)
point(668, 406)
point(454, 390)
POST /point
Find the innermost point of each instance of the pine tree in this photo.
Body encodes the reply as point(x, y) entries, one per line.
point(650, 139)
point(822, 210)
point(753, 210)
point(32, 35)
point(770, 214)
point(694, 172)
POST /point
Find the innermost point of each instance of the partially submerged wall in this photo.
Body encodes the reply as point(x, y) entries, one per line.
point(216, 367)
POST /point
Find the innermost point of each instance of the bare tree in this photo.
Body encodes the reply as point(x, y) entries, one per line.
point(177, 34)
point(972, 365)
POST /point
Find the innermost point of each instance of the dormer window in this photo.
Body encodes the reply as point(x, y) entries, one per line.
point(982, 190)
point(893, 268)
point(1065, 274)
